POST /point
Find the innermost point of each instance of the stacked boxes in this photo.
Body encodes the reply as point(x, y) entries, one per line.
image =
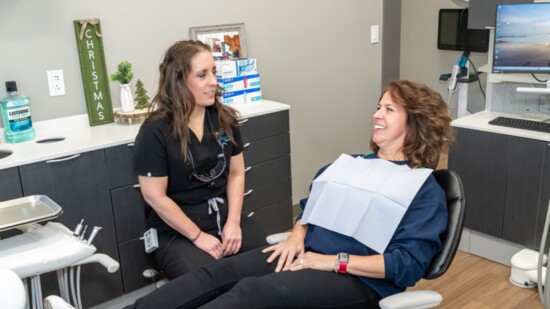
point(240, 80)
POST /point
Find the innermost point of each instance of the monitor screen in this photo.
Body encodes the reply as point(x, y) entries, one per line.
point(453, 32)
point(522, 38)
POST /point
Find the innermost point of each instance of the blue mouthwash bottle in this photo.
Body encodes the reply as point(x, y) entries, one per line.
point(16, 115)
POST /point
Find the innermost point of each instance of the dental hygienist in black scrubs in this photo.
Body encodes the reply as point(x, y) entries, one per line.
point(188, 156)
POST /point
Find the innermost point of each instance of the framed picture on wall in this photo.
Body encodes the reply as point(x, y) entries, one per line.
point(227, 41)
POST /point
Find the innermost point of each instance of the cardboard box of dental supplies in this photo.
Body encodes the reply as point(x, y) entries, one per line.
point(236, 67)
point(245, 96)
point(240, 82)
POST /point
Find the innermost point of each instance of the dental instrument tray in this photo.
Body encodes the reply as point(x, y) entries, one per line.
point(28, 209)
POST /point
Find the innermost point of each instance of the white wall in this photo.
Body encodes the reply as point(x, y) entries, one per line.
point(312, 54)
point(422, 61)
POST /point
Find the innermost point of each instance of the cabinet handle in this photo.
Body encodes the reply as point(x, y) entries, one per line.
point(246, 145)
point(63, 159)
point(248, 192)
point(247, 169)
point(130, 145)
point(243, 121)
point(136, 186)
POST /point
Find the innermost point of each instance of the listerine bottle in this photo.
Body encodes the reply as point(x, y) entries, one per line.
point(16, 115)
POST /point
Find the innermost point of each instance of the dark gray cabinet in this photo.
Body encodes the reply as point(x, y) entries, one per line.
point(502, 180)
point(544, 194)
point(10, 184)
point(268, 187)
point(77, 183)
point(129, 216)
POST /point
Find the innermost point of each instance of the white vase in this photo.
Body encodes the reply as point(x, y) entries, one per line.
point(126, 99)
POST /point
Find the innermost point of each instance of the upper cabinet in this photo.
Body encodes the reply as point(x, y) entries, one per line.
point(483, 12)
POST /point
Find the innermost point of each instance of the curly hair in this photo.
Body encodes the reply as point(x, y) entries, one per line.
point(428, 122)
point(175, 102)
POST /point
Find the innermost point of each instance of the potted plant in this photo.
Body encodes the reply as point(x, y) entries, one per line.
point(124, 75)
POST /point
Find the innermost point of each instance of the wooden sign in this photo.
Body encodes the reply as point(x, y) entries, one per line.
point(94, 71)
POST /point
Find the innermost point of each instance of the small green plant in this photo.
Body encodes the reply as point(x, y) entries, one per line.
point(124, 73)
point(142, 98)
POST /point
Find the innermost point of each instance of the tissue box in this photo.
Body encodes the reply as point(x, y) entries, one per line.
point(236, 67)
point(245, 96)
point(240, 82)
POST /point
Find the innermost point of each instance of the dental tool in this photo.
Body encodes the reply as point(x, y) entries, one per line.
point(78, 228)
point(83, 232)
point(93, 234)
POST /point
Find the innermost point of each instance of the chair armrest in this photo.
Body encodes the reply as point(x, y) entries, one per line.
point(412, 300)
point(277, 238)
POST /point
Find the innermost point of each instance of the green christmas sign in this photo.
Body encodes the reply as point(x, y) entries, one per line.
point(94, 71)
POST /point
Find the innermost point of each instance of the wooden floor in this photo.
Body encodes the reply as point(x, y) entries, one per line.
point(477, 283)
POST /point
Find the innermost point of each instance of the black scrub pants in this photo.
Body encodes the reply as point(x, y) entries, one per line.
point(248, 281)
point(177, 255)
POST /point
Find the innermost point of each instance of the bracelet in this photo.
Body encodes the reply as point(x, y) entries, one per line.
point(199, 234)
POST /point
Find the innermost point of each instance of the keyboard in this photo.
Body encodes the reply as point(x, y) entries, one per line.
point(521, 124)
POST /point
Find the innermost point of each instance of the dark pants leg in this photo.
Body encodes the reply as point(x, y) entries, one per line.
point(177, 255)
point(247, 281)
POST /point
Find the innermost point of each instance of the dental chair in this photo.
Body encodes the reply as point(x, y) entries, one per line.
point(420, 299)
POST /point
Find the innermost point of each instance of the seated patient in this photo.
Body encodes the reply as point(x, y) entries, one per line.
point(310, 268)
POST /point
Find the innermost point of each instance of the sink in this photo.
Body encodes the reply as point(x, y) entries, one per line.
point(50, 140)
point(4, 153)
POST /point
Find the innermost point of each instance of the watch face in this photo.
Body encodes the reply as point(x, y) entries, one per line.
point(342, 257)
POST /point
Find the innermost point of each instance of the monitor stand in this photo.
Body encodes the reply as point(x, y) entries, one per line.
point(536, 89)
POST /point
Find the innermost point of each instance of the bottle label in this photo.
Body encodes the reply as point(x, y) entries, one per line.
point(20, 119)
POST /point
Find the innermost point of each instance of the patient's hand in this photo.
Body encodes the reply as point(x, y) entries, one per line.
point(287, 251)
point(311, 260)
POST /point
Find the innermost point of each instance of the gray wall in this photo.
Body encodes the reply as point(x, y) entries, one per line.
point(420, 60)
point(314, 55)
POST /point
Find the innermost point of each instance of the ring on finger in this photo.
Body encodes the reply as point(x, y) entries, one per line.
point(301, 261)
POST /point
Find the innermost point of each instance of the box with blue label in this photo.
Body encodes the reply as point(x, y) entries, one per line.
point(246, 96)
point(236, 67)
point(239, 82)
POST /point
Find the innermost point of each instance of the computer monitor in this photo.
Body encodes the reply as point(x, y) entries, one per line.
point(453, 32)
point(522, 38)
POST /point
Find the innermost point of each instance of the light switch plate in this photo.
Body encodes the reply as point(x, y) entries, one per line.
point(374, 34)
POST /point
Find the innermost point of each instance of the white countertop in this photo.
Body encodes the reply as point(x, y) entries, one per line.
point(480, 121)
point(81, 137)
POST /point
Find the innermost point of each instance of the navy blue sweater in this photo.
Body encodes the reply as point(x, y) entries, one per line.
point(412, 247)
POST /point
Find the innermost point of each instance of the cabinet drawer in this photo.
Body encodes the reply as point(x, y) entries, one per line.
point(129, 212)
point(10, 184)
point(133, 261)
point(275, 218)
point(263, 126)
point(267, 172)
point(267, 195)
point(266, 149)
point(119, 166)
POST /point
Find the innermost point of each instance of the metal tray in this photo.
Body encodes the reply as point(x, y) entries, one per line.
point(28, 209)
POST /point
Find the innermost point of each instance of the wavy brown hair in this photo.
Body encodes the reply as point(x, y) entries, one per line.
point(428, 122)
point(175, 102)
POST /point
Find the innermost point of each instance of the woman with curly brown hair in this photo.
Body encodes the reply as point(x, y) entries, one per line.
point(189, 161)
point(321, 266)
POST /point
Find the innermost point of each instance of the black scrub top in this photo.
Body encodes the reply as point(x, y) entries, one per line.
point(158, 154)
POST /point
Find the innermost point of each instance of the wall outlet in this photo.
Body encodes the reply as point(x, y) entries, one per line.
point(56, 83)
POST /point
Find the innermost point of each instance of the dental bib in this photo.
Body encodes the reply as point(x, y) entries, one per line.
point(363, 198)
